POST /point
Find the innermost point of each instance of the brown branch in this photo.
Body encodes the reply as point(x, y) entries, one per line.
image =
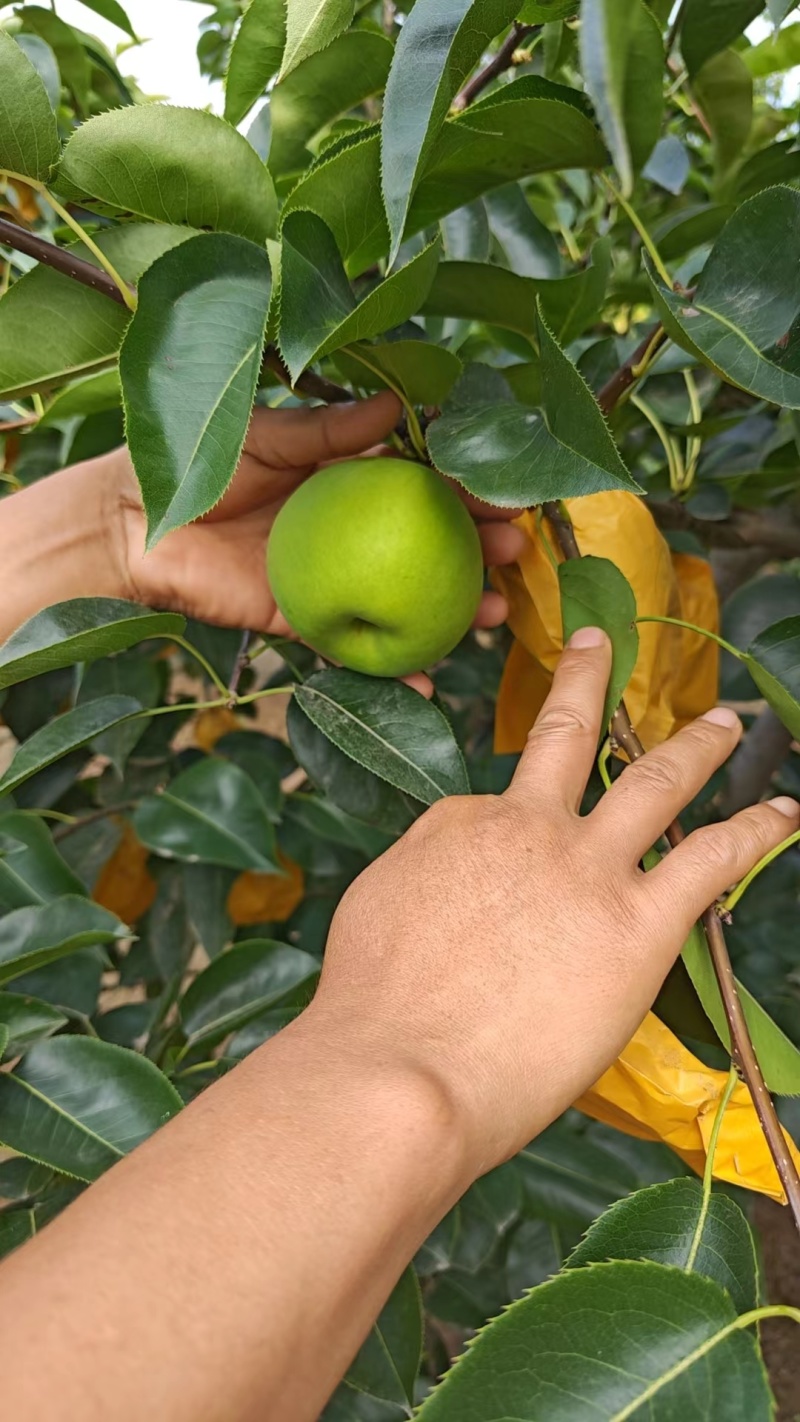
point(742, 1052)
point(242, 661)
point(610, 394)
point(776, 533)
point(308, 383)
point(59, 259)
point(505, 58)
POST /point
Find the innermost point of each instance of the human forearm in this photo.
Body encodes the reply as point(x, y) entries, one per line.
point(230, 1268)
point(58, 540)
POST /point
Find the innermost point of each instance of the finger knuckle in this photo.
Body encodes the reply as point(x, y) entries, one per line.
point(561, 721)
point(657, 777)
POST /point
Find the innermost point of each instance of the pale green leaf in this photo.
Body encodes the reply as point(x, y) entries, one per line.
point(29, 142)
point(324, 86)
point(622, 55)
point(594, 593)
point(255, 56)
point(724, 90)
point(310, 27)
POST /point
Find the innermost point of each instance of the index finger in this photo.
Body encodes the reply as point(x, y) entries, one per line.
point(561, 747)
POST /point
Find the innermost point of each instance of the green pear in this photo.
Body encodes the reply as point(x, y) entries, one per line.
point(377, 565)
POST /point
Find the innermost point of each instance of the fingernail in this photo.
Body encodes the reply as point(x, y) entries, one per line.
point(785, 806)
point(722, 716)
point(586, 637)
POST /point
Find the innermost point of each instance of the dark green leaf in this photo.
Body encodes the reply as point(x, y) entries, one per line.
point(671, 1224)
point(31, 868)
point(80, 631)
point(594, 593)
point(324, 86)
point(78, 1104)
point(32, 937)
point(88, 396)
point(53, 328)
point(122, 675)
point(29, 142)
point(255, 56)
point(318, 310)
point(481, 292)
point(707, 26)
point(622, 55)
point(569, 1180)
point(748, 611)
point(514, 457)
point(568, 1349)
point(386, 1364)
point(239, 985)
point(465, 233)
point(189, 365)
point(207, 889)
point(530, 126)
point(212, 813)
point(424, 372)
point(113, 12)
point(166, 928)
point(356, 790)
point(66, 733)
point(742, 320)
point(72, 984)
point(389, 729)
point(724, 90)
point(310, 26)
point(530, 248)
point(27, 1021)
point(171, 165)
point(773, 661)
point(440, 42)
point(20, 1178)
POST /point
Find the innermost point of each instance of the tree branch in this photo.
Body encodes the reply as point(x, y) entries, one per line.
point(308, 383)
point(59, 259)
point(777, 534)
point(742, 1052)
point(504, 59)
point(610, 393)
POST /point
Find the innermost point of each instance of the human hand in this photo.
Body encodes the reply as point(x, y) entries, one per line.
point(506, 949)
point(215, 569)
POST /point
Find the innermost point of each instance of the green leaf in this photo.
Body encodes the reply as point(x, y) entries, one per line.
point(319, 313)
point(778, 1056)
point(779, 9)
point(31, 868)
point(255, 56)
point(622, 56)
point(569, 1349)
point(189, 365)
point(724, 90)
point(53, 328)
point(79, 1105)
point(513, 456)
point(66, 733)
point(530, 126)
point(424, 372)
point(478, 291)
point(45, 63)
point(328, 84)
point(310, 26)
point(530, 248)
point(171, 165)
point(213, 813)
point(568, 1179)
point(29, 142)
point(774, 55)
point(123, 675)
point(33, 937)
point(73, 60)
point(773, 661)
point(742, 319)
point(594, 593)
point(389, 729)
point(670, 1224)
point(707, 26)
point(353, 788)
point(80, 631)
point(750, 610)
point(465, 233)
point(89, 396)
point(387, 1363)
point(27, 1021)
point(113, 12)
point(440, 42)
point(241, 983)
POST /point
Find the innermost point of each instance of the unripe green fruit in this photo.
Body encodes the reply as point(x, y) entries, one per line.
point(377, 565)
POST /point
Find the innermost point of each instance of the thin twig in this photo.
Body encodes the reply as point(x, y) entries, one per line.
point(107, 812)
point(308, 383)
point(505, 58)
point(742, 1052)
point(242, 661)
point(59, 258)
point(629, 371)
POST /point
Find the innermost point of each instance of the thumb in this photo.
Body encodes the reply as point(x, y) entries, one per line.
point(301, 439)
